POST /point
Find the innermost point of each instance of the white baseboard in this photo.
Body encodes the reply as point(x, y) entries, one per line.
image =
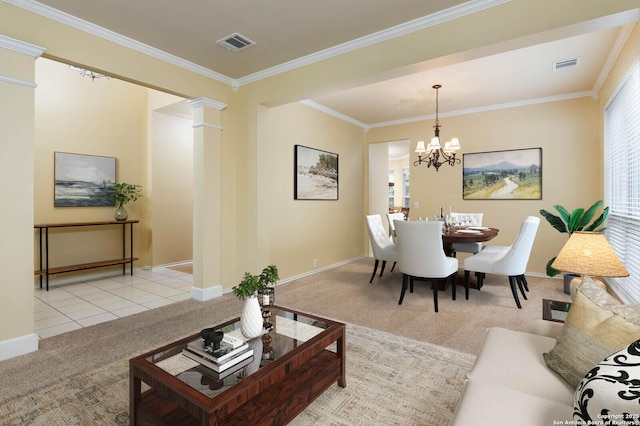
point(171, 265)
point(18, 346)
point(202, 294)
point(318, 270)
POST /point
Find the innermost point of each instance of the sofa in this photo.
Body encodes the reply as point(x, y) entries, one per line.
point(583, 371)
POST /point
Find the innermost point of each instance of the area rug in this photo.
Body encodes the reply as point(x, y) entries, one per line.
point(391, 380)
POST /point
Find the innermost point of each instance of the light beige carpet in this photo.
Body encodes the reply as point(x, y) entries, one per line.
point(345, 294)
point(390, 381)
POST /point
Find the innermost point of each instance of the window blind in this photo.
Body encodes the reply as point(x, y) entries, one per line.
point(622, 181)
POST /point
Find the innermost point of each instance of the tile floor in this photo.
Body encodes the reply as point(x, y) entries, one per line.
point(73, 306)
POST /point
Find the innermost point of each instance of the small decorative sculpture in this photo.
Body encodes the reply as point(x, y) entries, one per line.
point(211, 338)
point(266, 298)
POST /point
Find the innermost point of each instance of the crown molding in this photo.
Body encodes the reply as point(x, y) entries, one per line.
point(12, 80)
point(334, 113)
point(205, 102)
point(208, 125)
point(82, 25)
point(585, 94)
point(437, 18)
point(366, 127)
point(20, 46)
point(452, 13)
point(618, 45)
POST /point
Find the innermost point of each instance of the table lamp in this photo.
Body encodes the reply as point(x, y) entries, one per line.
point(589, 253)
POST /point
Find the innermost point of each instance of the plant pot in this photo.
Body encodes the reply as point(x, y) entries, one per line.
point(121, 213)
point(251, 318)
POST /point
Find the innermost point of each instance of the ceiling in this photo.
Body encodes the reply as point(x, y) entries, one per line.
point(291, 33)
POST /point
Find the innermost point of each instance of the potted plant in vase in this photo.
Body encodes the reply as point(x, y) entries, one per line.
point(247, 290)
point(570, 222)
point(122, 194)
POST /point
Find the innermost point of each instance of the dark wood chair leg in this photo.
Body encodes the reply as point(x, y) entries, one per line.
point(434, 285)
point(466, 284)
point(514, 290)
point(524, 282)
point(405, 278)
point(480, 278)
point(454, 284)
point(410, 284)
point(375, 268)
point(519, 279)
point(384, 263)
point(393, 267)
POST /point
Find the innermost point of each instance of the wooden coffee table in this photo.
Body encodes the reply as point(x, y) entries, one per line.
point(292, 365)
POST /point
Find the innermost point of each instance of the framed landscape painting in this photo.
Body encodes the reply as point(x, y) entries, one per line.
point(316, 174)
point(502, 175)
point(83, 180)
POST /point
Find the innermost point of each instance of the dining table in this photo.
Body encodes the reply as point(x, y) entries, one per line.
point(471, 234)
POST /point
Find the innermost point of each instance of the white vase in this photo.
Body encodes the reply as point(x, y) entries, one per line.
point(251, 318)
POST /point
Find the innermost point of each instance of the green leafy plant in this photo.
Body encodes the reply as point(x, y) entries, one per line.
point(252, 284)
point(577, 220)
point(125, 192)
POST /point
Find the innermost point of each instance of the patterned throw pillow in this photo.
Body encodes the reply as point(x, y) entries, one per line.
point(610, 393)
point(592, 331)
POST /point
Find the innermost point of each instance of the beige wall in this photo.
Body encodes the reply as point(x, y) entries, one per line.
point(300, 231)
point(171, 201)
point(16, 193)
point(566, 131)
point(377, 201)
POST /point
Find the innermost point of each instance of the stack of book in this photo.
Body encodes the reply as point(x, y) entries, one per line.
point(233, 352)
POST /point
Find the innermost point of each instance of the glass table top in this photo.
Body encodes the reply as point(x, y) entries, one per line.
point(290, 331)
point(555, 310)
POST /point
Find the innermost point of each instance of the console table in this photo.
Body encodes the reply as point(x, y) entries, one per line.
point(45, 270)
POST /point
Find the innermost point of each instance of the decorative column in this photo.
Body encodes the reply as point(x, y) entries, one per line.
point(207, 196)
point(17, 106)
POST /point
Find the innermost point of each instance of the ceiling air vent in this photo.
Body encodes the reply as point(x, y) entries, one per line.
point(235, 42)
point(566, 64)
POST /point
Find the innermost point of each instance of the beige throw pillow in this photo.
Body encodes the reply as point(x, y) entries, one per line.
point(591, 332)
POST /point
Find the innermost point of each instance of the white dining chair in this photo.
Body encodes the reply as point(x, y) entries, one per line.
point(384, 249)
point(421, 255)
point(505, 260)
point(475, 219)
point(392, 228)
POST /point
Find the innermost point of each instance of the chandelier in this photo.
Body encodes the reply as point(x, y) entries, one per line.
point(436, 155)
point(88, 73)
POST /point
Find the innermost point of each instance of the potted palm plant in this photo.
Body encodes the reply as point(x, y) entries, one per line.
point(247, 290)
point(570, 222)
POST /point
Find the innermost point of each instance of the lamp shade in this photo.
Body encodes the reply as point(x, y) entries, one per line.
point(589, 253)
point(454, 145)
point(434, 144)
